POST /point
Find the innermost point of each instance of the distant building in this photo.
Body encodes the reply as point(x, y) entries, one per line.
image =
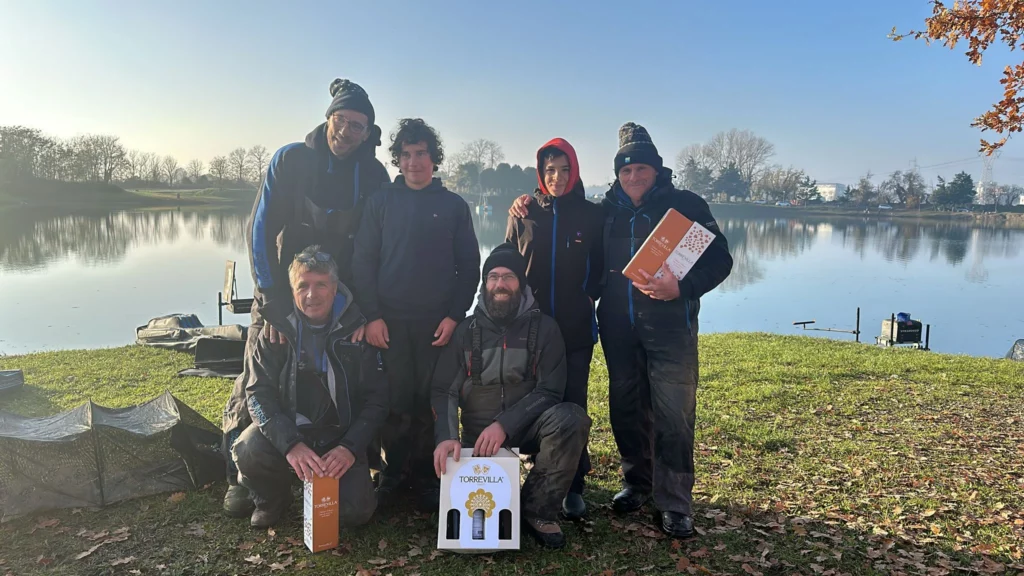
point(831, 192)
point(1020, 201)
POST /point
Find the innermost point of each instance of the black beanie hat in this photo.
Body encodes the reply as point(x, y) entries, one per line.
point(506, 255)
point(636, 147)
point(348, 95)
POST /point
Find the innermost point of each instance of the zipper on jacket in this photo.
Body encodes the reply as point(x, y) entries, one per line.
point(554, 246)
point(501, 368)
point(688, 327)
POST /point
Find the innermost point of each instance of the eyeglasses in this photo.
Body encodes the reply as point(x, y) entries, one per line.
point(341, 123)
point(506, 278)
point(310, 258)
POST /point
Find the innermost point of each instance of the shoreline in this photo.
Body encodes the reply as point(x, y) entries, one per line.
point(1013, 219)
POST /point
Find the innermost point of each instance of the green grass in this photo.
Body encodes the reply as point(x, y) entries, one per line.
point(201, 196)
point(813, 457)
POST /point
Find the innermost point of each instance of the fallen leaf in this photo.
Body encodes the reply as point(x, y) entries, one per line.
point(682, 564)
point(415, 551)
point(135, 571)
point(121, 561)
point(382, 545)
point(700, 553)
point(281, 565)
point(294, 542)
point(257, 559)
point(88, 552)
point(817, 569)
point(176, 497)
point(44, 561)
point(750, 570)
point(45, 524)
point(271, 533)
point(304, 564)
point(246, 546)
point(195, 529)
point(435, 554)
point(377, 561)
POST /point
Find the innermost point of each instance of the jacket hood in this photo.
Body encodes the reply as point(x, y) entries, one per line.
point(317, 140)
point(434, 186)
point(575, 184)
point(526, 304)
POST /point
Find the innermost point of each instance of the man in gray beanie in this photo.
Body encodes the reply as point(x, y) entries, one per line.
point(313, 192)
point(649, 335)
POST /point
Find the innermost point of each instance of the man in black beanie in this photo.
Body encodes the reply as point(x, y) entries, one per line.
point(313, 192)
point(649, 335)
point(505, 367)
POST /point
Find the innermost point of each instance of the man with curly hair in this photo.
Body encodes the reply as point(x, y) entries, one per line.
point(416, 267)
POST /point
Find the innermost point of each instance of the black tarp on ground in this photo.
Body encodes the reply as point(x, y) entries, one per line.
point(92, 456)
point(217, 358)
point(11, 379)
point(182, 331)
point(1016, 351)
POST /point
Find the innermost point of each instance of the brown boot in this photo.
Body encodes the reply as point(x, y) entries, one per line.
point(547, 533)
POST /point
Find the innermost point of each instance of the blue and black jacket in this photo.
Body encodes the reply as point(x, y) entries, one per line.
point(625, 230)
point(561, 239)
point(309, 196)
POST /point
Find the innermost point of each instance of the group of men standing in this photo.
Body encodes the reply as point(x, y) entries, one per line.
point(360, 345)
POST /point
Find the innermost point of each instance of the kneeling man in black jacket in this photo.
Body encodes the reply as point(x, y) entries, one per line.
point(505, 368)
point(316, 400)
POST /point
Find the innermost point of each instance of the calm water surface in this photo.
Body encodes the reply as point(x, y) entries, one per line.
point(87, 280)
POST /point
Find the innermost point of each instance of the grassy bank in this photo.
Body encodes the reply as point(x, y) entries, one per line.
point(72, 195)
point(814, 457)
point(999, 220)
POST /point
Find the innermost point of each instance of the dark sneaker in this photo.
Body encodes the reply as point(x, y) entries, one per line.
point(676, 524)
point(237, 502)
point(548, 534)
point(630, 500)
point(573, 506)
point(270, 513)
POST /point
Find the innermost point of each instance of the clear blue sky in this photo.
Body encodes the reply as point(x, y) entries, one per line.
point(818, 79)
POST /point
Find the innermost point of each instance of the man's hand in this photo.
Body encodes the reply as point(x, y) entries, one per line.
point(490, 440)
point(377, 333)
point(444, 332)
point(338, 461)
point(305, 462)
point(359, 334)
point(520, 208)
point(442, 452)
point(275, 336)
point(664, 288)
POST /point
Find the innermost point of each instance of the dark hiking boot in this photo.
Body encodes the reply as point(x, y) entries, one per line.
point(573, 506)
point(270, 513)
point(237, 502)
point(548, 534)
point(630, 500)
point(675, 524)
point(428, 499)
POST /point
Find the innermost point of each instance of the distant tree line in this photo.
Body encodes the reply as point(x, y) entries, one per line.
point(28, 153)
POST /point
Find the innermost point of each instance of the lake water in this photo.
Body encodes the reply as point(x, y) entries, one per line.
point(88, 280)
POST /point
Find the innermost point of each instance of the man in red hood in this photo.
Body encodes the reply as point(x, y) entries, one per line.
point(560, 238)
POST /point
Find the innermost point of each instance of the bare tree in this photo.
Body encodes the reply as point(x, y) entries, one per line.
point(258, 158)
point(218, 168)
point(238, 163)
point(195, 170)
point(109, 155)
point(748, 151)
point(156, 170)
point(170, 166)
point(778, 183)
point(696, 152)
point(484, 153)
point(130, 166)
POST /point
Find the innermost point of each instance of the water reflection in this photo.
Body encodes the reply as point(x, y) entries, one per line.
point(34, 239)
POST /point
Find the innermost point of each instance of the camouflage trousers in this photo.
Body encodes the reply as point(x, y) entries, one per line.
point(556, 440)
